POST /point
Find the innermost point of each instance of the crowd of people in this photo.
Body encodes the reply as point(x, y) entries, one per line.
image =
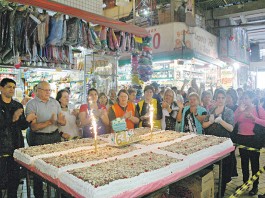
point(223, 113)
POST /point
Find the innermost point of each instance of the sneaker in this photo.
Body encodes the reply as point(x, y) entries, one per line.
point(261, 196)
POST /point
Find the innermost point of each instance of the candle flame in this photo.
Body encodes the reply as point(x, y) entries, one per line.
point(94, 127)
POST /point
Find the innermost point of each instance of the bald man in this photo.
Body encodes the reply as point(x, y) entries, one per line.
point(44, 130)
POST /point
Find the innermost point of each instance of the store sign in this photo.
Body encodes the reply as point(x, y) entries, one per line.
point(227, 78)
point(204, 42)
point(162, 36)
point(174, 36)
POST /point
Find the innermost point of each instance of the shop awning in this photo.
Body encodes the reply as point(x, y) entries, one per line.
point(87, 16)
point(178, 54)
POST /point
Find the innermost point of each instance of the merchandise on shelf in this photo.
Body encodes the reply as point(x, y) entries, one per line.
point(145, 68)
point(58, 80)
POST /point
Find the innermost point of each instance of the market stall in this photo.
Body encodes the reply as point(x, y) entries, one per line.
point(181, 52)
point(157, 160)
point(55, 35)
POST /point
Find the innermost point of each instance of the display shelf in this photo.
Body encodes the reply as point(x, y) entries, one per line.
point(193, 71)
point(162, 70)
point(160, 79)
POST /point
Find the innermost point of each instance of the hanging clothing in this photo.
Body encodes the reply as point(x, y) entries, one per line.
point(56, 30)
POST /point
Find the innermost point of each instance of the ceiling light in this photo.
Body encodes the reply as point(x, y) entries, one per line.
point(236, 66)
point(144, 10)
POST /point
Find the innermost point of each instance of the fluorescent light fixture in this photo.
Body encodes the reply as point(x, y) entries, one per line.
point(236, 66)
point(166, 61)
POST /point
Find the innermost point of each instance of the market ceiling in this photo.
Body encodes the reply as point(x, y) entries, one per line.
point(87, 16)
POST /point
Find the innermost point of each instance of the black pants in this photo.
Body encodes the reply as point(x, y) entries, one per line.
point(253, 157)
point(9, 176)
point(226, 172)
point(247, 156)
point(40, 139)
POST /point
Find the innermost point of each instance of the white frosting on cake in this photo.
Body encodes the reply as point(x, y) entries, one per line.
point(26, 159)
point(119, 186)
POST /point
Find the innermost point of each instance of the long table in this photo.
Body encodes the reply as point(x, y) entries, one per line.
point(193, 167)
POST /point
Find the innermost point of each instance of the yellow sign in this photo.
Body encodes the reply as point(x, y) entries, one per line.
point(138, 39)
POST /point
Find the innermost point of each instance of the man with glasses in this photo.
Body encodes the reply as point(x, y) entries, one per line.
point(44, 130)
point(12, 121)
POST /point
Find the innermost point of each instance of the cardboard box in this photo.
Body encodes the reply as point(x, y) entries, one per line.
point(200, 185)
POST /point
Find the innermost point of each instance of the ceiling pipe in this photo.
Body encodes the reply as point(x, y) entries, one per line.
point(240, 25)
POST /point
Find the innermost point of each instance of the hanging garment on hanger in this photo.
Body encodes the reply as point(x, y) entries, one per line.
point(56, 30)
point(8, 36)
point(85, 36)
point(80, 38)
point(64, 35)
point(123, 43)
point(43, 28)
point(20, 28)
point(103, 37)
point(96, 39)
point(115, 40)
point(89, 37)
point(73, 26)
point(110, 40)
point(132, 42)
point(128, 42)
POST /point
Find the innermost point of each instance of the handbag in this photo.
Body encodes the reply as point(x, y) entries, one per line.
point(259, 131)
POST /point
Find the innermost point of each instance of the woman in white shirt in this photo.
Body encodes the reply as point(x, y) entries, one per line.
point(71, 129)
point(170, 110)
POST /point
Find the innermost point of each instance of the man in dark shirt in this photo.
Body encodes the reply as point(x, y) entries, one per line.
point(12, 121)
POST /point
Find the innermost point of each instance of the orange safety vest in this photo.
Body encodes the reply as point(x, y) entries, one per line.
point(157, 123)
point(119, 113)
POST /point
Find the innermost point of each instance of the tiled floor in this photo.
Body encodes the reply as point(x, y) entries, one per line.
point(238, 180)
point(22, 192)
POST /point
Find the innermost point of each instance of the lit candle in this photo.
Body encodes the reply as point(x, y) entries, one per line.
point(94, 126)
point(151, 114)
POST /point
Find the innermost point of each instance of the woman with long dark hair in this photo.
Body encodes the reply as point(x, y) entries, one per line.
point(71, 128)
point(247, 115)
point(220, 122)
point(93, 110)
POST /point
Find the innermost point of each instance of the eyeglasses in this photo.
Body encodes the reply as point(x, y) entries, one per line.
point(46, 90)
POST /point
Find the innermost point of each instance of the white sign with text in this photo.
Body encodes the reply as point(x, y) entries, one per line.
point(173, 36)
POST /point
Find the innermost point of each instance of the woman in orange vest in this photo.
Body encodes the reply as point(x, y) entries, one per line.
point(124, 109)
point(143, 108)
